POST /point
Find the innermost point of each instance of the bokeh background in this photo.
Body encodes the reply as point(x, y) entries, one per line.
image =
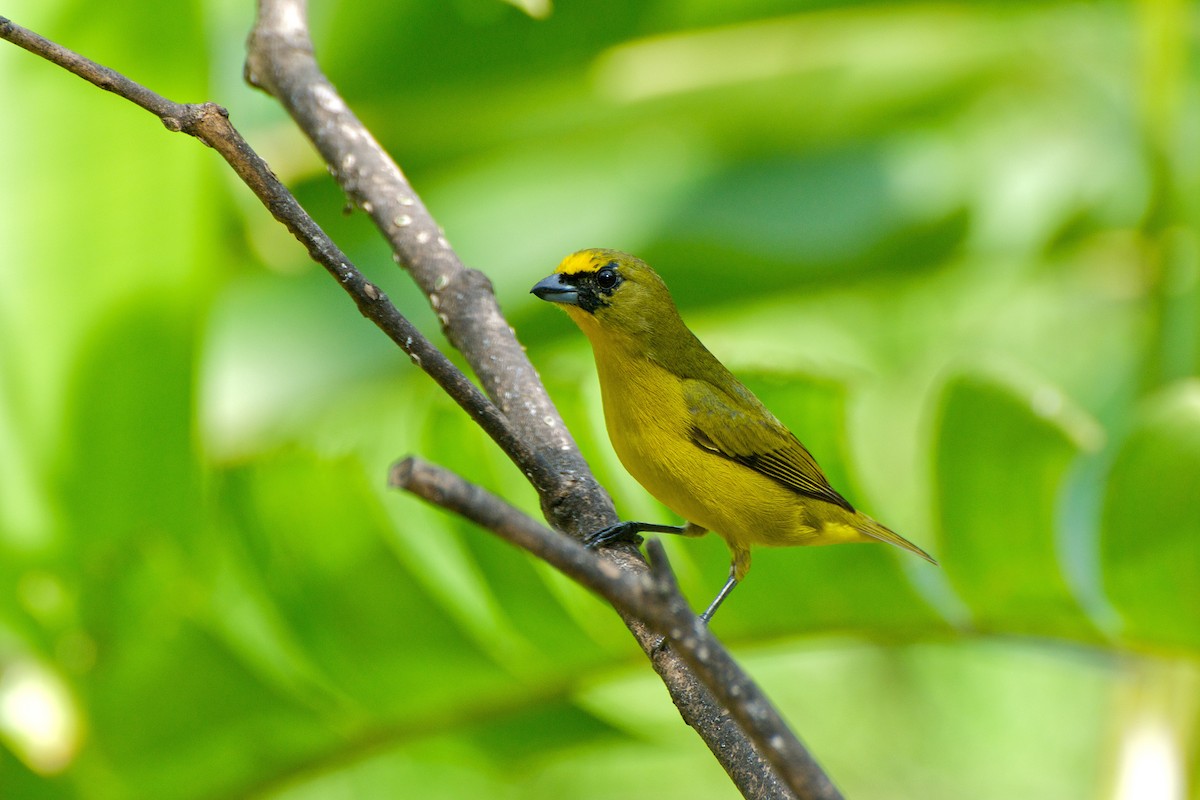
point(952, 245)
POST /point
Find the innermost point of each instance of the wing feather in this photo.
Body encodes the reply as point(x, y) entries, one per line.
point(736, 426)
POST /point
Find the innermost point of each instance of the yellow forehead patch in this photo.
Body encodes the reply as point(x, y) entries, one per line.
point(587, 260)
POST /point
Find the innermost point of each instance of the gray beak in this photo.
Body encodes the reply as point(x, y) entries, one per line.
point(553, 290)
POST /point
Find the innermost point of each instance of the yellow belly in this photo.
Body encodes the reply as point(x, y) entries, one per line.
point(648, 423)
point(650, 426)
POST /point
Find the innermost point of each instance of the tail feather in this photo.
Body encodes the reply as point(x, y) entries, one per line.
point(870, 527)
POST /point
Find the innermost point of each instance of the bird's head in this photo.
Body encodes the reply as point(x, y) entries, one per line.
point(609, 293)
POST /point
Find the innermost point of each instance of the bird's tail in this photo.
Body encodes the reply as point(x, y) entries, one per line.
point(870, 527)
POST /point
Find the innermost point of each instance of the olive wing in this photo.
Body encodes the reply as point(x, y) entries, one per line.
point(735, 425)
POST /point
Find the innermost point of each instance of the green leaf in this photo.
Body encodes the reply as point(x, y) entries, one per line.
point(1150, 528)
point(17, 780)
point(1003, 451)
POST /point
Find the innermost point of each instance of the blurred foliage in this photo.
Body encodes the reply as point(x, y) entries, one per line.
point(953, 246)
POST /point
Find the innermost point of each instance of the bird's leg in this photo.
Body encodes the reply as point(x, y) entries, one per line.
point(661, 644)
point(720, 598)
point(627, 532)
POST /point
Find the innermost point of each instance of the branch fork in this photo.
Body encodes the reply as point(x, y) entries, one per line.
point(731, 714)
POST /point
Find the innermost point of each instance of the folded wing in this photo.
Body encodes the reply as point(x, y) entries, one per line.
point(735, 425)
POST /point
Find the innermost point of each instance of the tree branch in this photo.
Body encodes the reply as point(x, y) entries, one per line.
point(652, 597)
point(522, 420)
point(280, 61)
point(209, 123)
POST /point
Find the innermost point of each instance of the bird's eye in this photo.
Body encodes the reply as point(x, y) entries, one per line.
point(606, 278)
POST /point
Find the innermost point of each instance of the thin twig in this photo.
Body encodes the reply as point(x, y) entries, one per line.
point(210, 124)
point(280, 61)
point(653, 597)
point(570, 495)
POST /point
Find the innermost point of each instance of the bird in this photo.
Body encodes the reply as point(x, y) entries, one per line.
point(689, 432)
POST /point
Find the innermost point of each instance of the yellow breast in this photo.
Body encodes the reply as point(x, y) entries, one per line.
point(649, 425)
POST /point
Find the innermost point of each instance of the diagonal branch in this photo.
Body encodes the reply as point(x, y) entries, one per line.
point(652, 597)
point(523, 420)
point(280, 61)
point(210, 124)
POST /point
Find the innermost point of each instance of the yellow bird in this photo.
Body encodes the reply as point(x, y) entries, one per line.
point(690, 432)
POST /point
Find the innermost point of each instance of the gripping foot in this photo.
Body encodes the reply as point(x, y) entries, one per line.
point(626, 532)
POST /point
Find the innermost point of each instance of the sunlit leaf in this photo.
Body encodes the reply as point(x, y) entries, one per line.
point(1151, 522)
point(1003, 454)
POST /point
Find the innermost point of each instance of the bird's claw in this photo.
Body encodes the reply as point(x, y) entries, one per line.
point(621, 532)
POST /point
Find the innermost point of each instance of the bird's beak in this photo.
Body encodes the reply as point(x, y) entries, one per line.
point(553, 290)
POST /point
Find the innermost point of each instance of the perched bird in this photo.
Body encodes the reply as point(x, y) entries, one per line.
point(688, 431)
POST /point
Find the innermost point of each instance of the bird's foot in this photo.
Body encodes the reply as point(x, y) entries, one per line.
point(628, 532)
point(621, 532)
